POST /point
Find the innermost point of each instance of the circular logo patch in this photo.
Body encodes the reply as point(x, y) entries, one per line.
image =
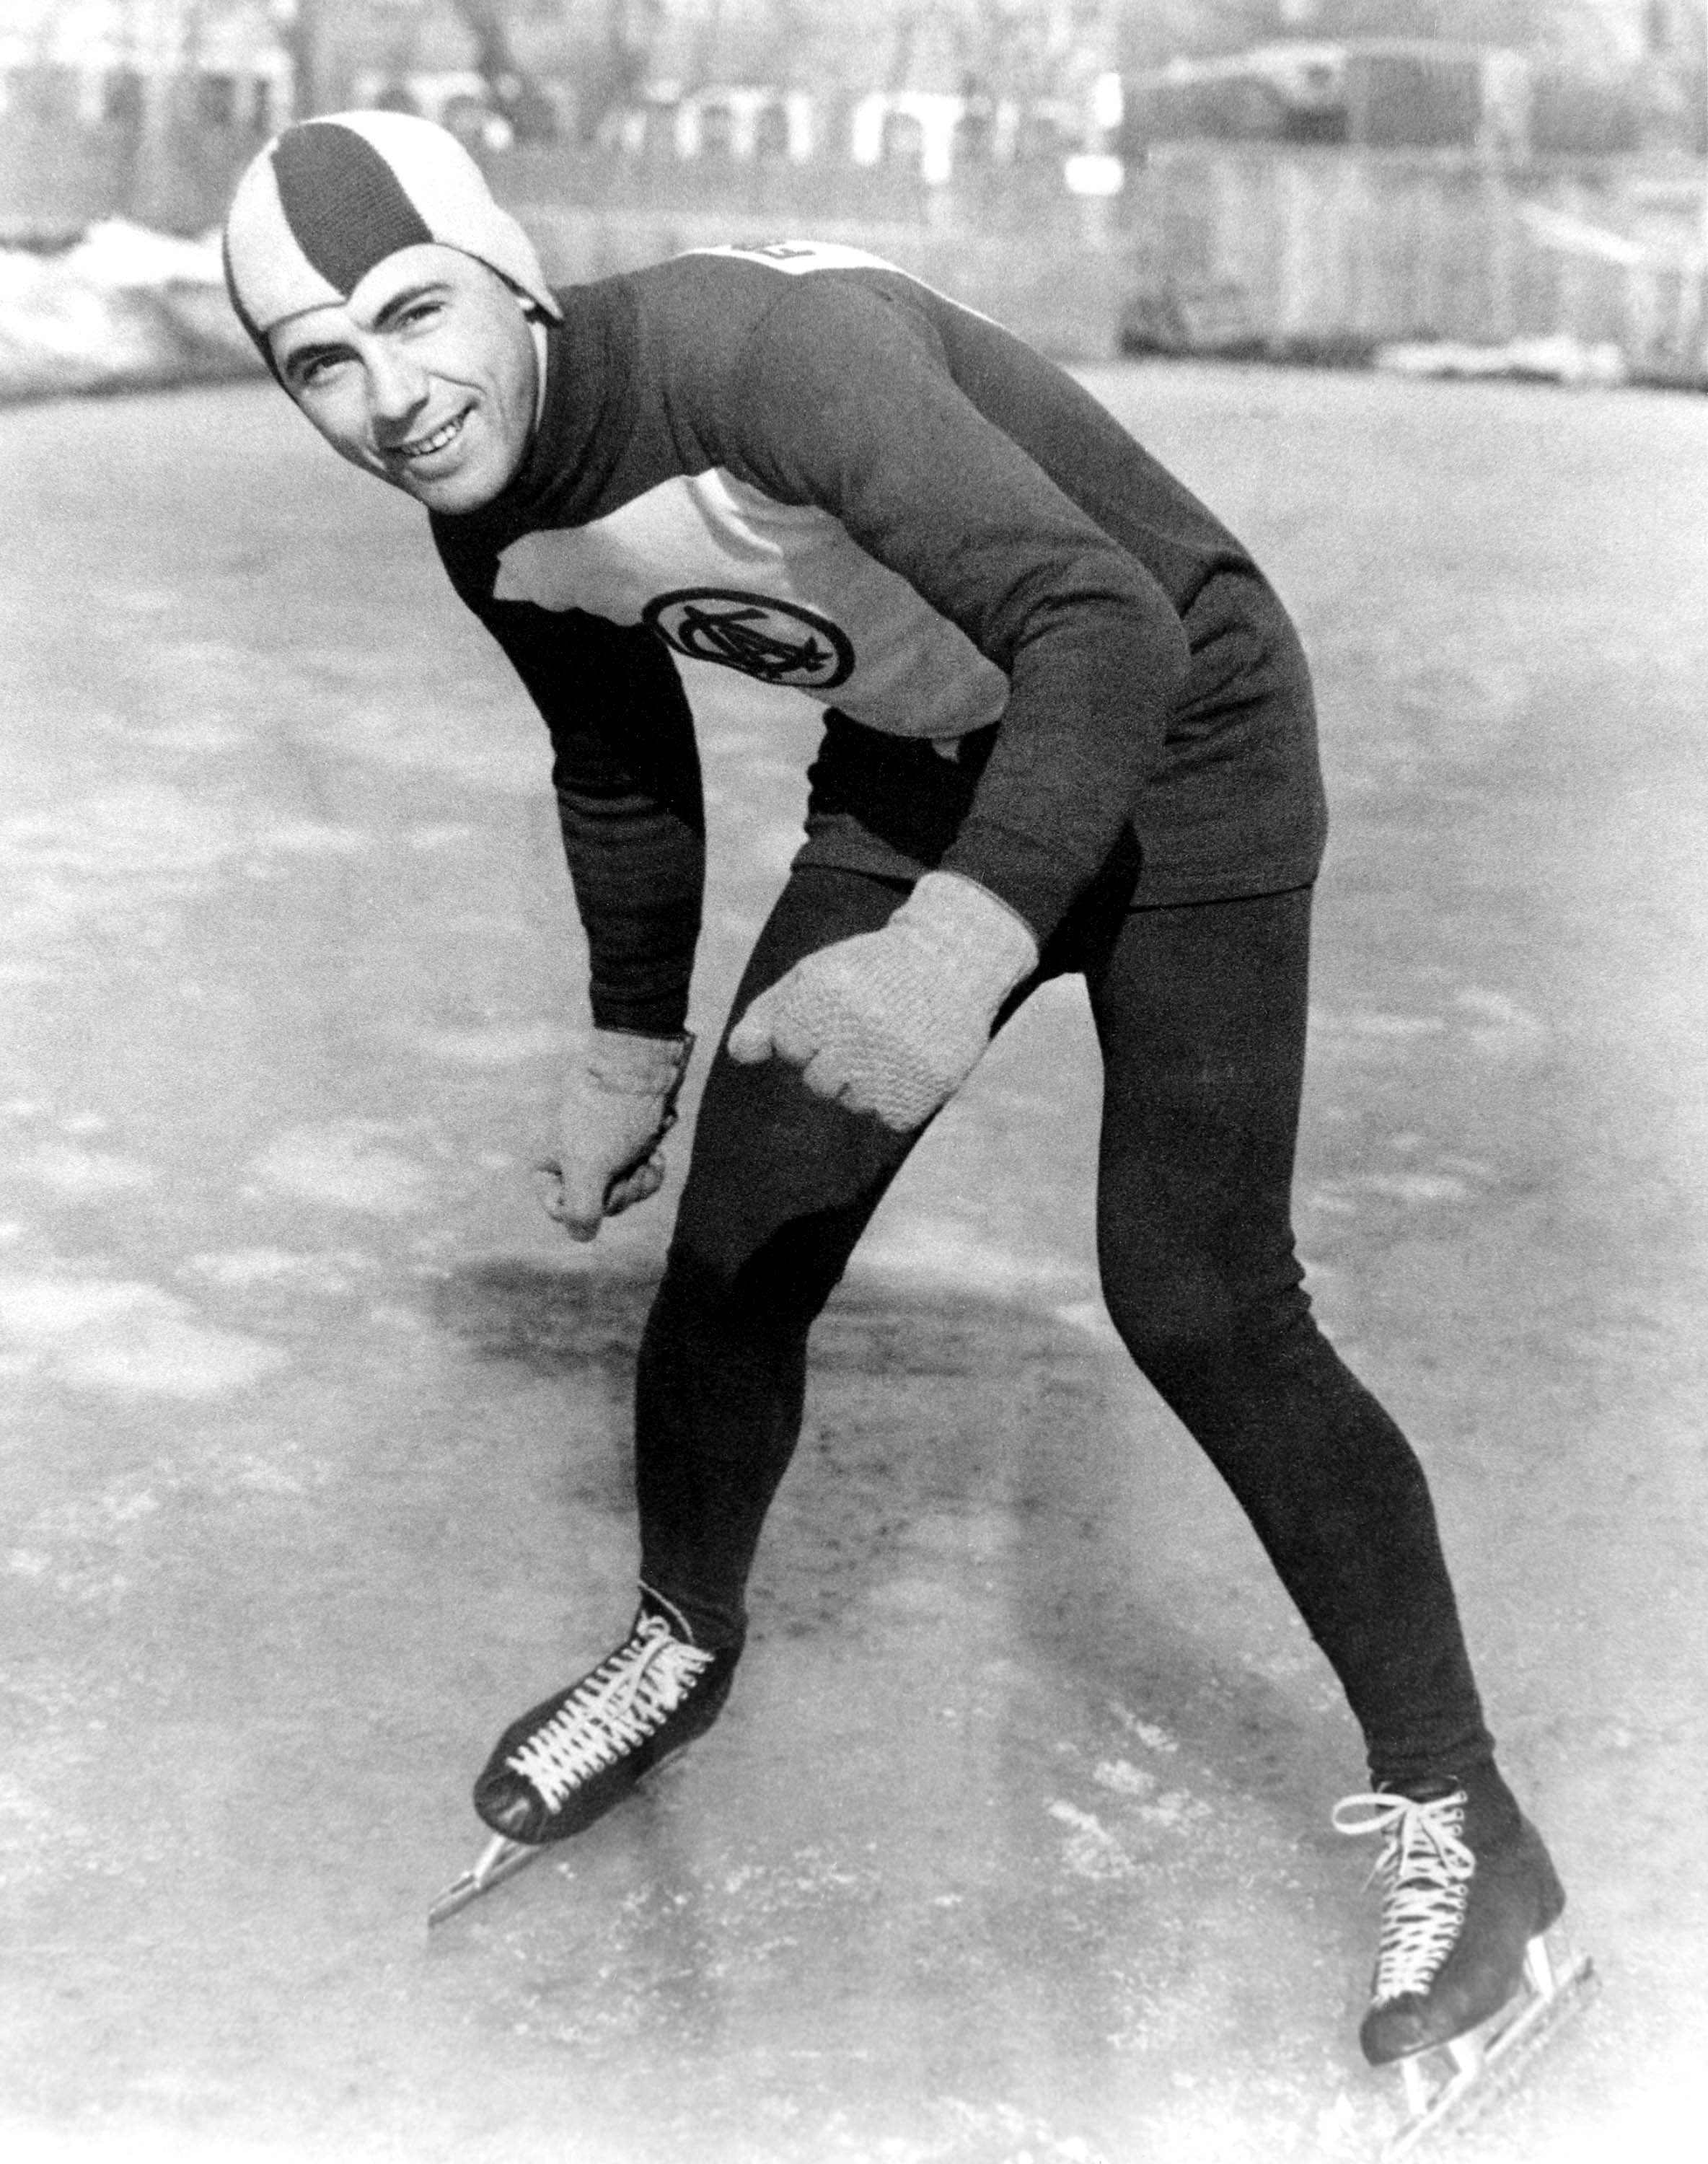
point(778, 642)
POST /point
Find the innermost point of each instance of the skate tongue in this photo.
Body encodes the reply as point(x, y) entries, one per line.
point(1430, 1791)
point(654, 1608)
point(1492, 1817)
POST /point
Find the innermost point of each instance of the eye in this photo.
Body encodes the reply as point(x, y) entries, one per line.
point(313, 368)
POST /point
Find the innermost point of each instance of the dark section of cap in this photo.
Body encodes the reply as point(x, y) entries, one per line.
point(342, 200)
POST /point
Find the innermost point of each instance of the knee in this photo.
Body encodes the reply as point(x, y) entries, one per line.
point(1171, 1327)
point(1190, 1321)
point(699, 1297)
point(713, 1299)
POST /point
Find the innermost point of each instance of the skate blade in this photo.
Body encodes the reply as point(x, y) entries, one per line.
point(1477, 2068)
point(499, 1859)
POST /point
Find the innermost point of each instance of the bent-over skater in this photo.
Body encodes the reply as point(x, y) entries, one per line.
point(1067, 728)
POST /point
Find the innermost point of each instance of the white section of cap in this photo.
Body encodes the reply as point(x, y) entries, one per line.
point(273, 277)
point(275, 280)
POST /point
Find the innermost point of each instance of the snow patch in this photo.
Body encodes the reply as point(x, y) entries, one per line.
point(150, 842)
point(1153, 1737)
point(346, 1164)
point(147, 828)
point(1173, 1810)
point(495, 1046)
point(110, 1334)
point(1091, 1851)
point(126, 306)
point(1123, 1777)
point(1558, 358)
point(244, 1267)
point(87, 1171)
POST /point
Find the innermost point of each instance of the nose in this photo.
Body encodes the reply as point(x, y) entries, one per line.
point(397, 390)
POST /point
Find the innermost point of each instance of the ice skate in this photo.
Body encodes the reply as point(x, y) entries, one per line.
point(567, 1761)
point(1472, 1974)
point(499, 1859)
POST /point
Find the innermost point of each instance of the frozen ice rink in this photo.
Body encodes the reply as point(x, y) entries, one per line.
point(1014, 1842)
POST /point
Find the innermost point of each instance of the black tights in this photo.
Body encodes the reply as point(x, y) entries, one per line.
point(1199, 1013)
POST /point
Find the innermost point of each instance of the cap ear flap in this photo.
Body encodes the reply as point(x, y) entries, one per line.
point(263, 344)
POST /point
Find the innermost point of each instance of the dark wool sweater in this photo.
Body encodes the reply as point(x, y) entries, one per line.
point(801, 464)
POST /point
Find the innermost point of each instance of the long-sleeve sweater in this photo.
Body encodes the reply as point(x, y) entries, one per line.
point(800, 462)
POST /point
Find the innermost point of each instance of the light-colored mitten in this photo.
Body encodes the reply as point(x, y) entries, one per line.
point(619, 1104)
point(892, 1021)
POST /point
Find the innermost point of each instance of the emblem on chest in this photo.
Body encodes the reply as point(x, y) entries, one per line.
point(779, 641)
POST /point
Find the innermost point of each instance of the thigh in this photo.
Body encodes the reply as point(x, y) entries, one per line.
point(1200, 1015)
point(775, 1170)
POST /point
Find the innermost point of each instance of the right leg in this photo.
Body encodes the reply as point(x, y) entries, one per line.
point(781, 1187)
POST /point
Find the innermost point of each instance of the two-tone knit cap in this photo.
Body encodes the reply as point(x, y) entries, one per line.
point(329, 198)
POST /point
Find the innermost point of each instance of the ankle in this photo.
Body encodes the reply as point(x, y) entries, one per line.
point(1492, 1815)
point(714, 1630)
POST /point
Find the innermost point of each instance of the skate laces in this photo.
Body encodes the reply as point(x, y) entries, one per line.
point(1426, 1871)
point(625, 1701)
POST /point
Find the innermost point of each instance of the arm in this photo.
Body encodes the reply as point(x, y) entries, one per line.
point(627, 779)
point(846, 401)
point(862, 416)
point(627, 773)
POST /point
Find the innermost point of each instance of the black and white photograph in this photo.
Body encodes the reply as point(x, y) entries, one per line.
point(853, 1081)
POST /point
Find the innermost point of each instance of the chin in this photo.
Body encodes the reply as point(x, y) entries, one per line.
point(450, 494)
point(472, 487)
point(456, 493)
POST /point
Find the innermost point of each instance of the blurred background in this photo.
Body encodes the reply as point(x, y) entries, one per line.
point(1495, 186)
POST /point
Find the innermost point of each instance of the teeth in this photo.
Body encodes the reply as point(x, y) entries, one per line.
point(424, 445)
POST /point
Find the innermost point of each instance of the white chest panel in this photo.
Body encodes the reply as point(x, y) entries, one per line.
point(776, 591)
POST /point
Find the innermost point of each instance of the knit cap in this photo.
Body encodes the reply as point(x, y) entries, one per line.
point(329, 198)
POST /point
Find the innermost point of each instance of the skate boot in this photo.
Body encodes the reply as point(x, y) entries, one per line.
point(1464, 1967)
point(566, 1761)
point(563, 1764)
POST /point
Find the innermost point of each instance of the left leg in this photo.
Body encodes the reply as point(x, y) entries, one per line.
point(1201, 1013)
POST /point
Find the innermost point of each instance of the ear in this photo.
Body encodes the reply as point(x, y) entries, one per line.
point(531, 309)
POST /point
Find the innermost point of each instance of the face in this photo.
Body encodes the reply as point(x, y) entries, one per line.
point(425, 377)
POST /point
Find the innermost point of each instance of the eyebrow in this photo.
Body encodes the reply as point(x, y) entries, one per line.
point(411, 294)
point(304, 356)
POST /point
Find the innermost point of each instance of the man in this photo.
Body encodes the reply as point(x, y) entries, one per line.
point(1068, 727)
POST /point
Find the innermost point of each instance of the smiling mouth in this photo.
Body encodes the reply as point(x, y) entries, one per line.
point(425, 446)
